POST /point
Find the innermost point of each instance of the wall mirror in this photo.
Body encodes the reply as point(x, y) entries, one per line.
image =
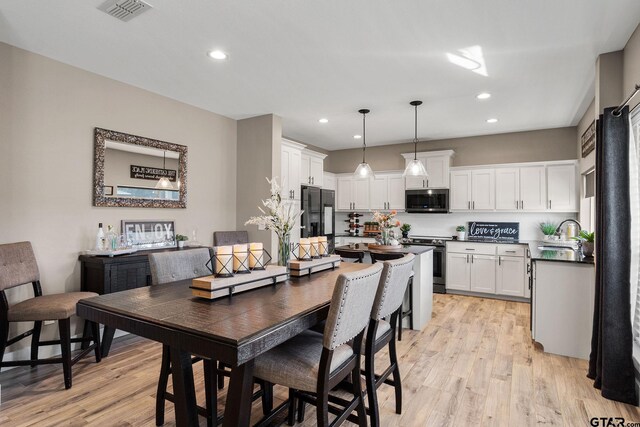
point(134, 171)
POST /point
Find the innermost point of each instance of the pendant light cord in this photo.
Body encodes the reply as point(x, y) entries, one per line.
point(415, 135)
point(164, 159)
point(364, 137)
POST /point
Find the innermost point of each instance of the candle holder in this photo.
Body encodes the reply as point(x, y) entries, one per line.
point(259, 262)
point(323, 249)
point(241, 262)
point(301, 252)
point(224, 262)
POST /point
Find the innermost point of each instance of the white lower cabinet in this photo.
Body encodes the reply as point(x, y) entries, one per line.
point(483, 273)
point(458, 271)
point(511, 276)
point(485, 269)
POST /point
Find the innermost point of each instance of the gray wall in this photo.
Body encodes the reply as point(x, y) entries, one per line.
point(631, 66)
point(48, 112)
point(533, 146)
point(259, 144)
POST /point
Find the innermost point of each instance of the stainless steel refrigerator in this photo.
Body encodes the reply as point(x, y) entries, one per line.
point(319, 214)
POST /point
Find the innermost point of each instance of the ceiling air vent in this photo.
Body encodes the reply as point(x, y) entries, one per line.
point(124, 10)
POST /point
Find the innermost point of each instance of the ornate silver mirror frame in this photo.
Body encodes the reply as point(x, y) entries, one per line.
point(99, 198)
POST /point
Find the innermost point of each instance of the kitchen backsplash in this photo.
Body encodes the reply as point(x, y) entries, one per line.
point(445, 224)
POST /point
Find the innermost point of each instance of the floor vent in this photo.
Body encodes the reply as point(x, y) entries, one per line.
point(124, 10)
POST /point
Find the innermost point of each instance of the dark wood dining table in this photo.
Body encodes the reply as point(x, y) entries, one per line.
point(233, 330)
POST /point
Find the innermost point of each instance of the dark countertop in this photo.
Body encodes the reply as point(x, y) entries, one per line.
point(405, 249)
point(349, 235)
point(558, 255)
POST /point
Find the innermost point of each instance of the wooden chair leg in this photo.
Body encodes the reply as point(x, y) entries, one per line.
point(35, 340)
point(64, 326)
point(165, 371)
point(393, 358)
point(221, 366)
point(357, 392)
point(4, 337)
point(291, 417)
point(370, 379)
point(210, 392)
point(302, 407)
point(267, 397)
point(322, 409)
point(95, 331)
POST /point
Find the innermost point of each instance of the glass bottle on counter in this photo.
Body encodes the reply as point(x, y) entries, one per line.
point(112, 239)
point(100, 238)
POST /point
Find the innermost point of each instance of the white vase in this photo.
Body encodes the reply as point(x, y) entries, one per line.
point(180, 243)
point(461, 235)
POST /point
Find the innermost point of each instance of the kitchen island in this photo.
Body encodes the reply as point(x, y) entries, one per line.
point(422, 306)
point(562, 300)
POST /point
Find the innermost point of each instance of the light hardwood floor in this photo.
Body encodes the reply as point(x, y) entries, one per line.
point(474, 364)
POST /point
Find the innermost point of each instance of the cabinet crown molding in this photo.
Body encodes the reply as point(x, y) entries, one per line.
point(293, 144)
point(312, 153)
point(514, 165)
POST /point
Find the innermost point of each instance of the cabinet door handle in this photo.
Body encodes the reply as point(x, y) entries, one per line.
point(517, 205)
point(467, 258)
point(549, 204)
point(473, 204)
point(499, 260)
point(468, 205)
point(510, 252)
point(471, 259)
point(521, 204)
point(423, 182)
point(313, 180)
point(468, 249)
point(427, 183)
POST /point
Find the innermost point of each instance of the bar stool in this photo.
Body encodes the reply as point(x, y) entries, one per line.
point(358, 256)
point(312, 364)
point(388, 256)
point(380, 333)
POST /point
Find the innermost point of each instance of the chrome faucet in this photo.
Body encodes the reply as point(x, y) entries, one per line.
point(557, 233)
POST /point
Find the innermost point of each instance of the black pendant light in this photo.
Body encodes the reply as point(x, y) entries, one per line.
point(415, 166)
point(364, 170)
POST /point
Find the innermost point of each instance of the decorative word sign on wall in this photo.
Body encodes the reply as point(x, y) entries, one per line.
point(154, 174)
point(149, 234)
point(494, 230)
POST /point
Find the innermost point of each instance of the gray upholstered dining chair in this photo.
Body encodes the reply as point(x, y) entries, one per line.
point(312, 364)
point(225, 238)
point(380, 332)
point(18, 267)
point(172, 266)
point(167, 267)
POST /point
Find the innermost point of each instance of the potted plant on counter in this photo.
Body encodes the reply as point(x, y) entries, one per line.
point(180, 239)
point(587, 240)
point(405, 230)
point(549, 230)
point(462, 231)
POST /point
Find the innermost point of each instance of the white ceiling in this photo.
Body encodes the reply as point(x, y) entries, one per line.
point(304, 60)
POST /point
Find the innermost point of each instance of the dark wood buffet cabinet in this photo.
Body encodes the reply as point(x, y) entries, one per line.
point(105, 275)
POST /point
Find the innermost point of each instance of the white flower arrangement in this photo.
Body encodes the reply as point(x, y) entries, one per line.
point(276, 215)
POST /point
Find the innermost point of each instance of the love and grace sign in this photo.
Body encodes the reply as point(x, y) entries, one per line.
point(494, 230)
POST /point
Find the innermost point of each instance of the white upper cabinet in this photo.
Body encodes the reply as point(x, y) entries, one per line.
point(290, 161)
point(360, 193)
point(533, 188)
point(352, 193)
point(460, 194)
point(387, 192)
point(507, 189)
point(437, 164)
point(561, 188)
point(483, 190)
point(328, 181)
point(343, 193)
point(312, 168)
point(472, 190)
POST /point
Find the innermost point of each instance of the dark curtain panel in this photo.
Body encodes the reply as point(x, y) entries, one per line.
point(610, 362)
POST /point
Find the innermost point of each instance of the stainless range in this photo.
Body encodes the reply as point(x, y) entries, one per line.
point(439, 259)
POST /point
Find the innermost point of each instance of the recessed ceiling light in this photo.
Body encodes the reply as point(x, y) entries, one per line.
point(217, 54)
point(357, 136)
point(483, 95)
point(492, 120)
point(323, 120)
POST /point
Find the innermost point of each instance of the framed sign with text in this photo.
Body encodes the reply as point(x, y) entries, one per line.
point(588, 140)
point(494, 230)
point(153, 174)
point(149, 234)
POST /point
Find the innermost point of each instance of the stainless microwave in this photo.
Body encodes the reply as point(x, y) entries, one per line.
point(427, 201)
